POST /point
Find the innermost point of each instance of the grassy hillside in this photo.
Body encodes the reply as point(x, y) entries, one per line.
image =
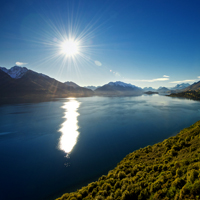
point(190, 94)
point(167, 170)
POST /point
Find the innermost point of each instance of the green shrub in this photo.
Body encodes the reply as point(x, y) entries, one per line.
point(121, 175)
point(99, 198)
point(117, 185)
point(178, 183)
point(196, 188)
point(107, 187)
point(165, 171)
point(185, 190)
point(179, 172)
point(91, 186)
point(118, 193)
point(84, 192)
point(94, 192)
point(173, 152)
point(192, 175)
point(171, 192)
point(156, 186)
point(109, 198)
point(73, 198)
point(125, 195)
point(155, 168)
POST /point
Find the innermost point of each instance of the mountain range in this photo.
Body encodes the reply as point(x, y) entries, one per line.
point(22, 84)
point(92, 87)
point(190, 92)
point(118, 88)
point(72, 84)
point(176, 89)
point(194, 86)
point(149, 89)
point(180, 86)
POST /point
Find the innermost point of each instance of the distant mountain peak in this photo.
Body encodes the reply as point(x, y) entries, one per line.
point(15, 72)
point(147, 89)
point(92, 87)
point(180, 86)
point(162, 90)
point(119, 83)
point(118, 88)
point(161, 87)
point(72, 84)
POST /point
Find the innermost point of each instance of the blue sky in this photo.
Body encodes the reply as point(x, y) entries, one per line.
point(145, 43)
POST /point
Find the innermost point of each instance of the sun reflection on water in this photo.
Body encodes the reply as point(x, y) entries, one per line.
point(69, 128)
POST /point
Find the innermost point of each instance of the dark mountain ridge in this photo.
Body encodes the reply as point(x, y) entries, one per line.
point(162, 90)
point(180, 86)
point(21, 84)
point(149, 89)
point(194, 86)
point(92, 87)
point(35, 86)
point(190, 92)
point(72, 84)
point(118, 89)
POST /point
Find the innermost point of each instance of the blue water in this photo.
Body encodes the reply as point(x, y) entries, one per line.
point(50, 148)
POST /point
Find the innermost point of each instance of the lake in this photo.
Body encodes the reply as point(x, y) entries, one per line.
point(50, 148)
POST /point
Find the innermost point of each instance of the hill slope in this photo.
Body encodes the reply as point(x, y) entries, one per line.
point(167, 170)
point(32, 86)
point(118, 88)
point(162, 90)
point(72, 84)
point(190, 92)
point(194, 86)
point(180, 86)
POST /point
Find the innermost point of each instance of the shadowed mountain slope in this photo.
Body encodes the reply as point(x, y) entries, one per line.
point(190, 92)
point(33, 85)
point(119, 89)
point(72, 84)
point(194, 86)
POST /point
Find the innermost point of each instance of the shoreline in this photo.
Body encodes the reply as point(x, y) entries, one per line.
point(151, 172)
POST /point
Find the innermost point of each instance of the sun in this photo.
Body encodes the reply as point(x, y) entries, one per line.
point(70, 47)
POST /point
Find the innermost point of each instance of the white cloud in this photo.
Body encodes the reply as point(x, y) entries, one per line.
point(20, 63)
point(117, 74)
point(198, 77)
point(150, 80)
point(155, 80)
point(165, 76)
point(98, 63)
point(184, 81)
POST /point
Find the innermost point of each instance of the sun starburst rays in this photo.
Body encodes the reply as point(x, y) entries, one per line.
point(68, 46)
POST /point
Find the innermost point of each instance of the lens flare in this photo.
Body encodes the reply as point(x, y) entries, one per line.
point(70, 47)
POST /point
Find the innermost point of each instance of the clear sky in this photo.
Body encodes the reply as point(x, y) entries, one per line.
point(142, 42)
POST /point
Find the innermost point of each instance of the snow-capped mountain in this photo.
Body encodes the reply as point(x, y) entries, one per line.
point(162, 90)
point(72, 84)
point(194, 86)
point(92, 87)
point(119, 83)
point(180, 86)
point(149, 89)
point(15, 72)
point(118, 88)
point(26, 85)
